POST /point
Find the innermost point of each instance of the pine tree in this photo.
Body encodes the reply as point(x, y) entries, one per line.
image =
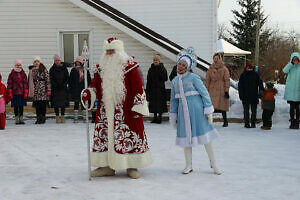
point(244, 25)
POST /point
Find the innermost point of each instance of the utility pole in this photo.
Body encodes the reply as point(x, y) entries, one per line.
point(257, 35)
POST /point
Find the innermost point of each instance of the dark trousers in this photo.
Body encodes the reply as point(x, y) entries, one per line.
point(267, 117)
point(40, 108)
point(246, 107)
point(294, 108)
point(18, 111)
point(76, 105)
point(224, 114)
point(62, 110)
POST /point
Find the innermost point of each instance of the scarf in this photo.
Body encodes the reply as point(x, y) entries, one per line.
point(80, 71)
point(17, 69)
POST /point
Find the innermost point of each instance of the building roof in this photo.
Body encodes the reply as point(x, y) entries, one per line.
point(229, 49)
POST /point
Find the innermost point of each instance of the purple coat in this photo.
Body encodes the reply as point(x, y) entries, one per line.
point(17, 82)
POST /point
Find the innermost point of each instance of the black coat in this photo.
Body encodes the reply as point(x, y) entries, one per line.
point(250, 87)
point(59, 77)
point(155, 88)
point(75, 85)
point(173, 73)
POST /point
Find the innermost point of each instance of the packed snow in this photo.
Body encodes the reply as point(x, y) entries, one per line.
point(46, 162)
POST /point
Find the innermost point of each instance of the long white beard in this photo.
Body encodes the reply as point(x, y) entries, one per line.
point(112, 67)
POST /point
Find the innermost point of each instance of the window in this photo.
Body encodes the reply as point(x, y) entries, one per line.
point(72, 45)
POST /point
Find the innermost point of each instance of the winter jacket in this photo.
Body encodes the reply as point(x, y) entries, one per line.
point(59, 77)
point(292, 85)
point(217, 83)
point(268, 99)
point(155, 88)
point(173, 73)
point(76, 85)
point(17, 82)
point(40, 85)
point(3, 97)
point(250, 87)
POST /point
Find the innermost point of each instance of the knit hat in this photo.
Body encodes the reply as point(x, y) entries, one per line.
point(249, 65)
point(270, 85)
point(37, 58)
point(79, 59)
point(18, 62)
point(56, 57)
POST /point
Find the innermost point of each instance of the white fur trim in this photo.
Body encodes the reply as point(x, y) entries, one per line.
point(203, 139)
point(115, 44)
point(209, 110)
point(173, 116)
point(172, 123)
point(93, 98)
point(121, 161)
point(141, 108)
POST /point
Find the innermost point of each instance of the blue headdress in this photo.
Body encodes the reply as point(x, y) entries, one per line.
point(188, 56)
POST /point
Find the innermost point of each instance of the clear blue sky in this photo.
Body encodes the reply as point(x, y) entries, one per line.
point(285, 14)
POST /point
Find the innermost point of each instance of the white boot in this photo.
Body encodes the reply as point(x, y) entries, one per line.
point(211, 156)
point(188, 160)
point(17, 119)
point(75, 116)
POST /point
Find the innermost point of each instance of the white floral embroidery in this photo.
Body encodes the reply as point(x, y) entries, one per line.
point(139, 98)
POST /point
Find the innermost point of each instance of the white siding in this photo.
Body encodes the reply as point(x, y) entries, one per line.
point(185, 22)
point(31, 27)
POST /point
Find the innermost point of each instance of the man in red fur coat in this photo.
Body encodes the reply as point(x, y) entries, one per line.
point(119, 140)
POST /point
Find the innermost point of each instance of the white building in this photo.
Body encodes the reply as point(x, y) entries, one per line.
point(44, 27)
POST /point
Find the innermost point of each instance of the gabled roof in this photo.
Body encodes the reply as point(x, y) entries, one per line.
point(135, 29)
point(229, 49)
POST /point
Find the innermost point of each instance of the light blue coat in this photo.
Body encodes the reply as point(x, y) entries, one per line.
point(190, 102)
point(292, 85)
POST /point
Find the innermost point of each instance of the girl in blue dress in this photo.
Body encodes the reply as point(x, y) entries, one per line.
point(192, 108)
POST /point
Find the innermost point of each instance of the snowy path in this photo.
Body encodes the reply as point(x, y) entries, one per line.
point(256, 164)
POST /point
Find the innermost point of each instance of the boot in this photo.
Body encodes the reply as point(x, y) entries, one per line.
point(21, 121)
point(38, 119)
point(62, 119)
point(133, 173)
point(225, 124)
point(154, 120)
point(17, 119)
point(211, 156)
point(43, 119)
point(57, 118)
point(253, 125)
point(247, 125)
point(294, 124)
point(188, 160)
point(75, 116)
point(102, 171)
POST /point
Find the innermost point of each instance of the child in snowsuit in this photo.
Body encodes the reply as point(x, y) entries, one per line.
point(268, 105)
point(3, 100)
point(18, 90)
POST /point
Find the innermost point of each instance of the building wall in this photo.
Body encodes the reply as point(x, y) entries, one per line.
point(31, 27)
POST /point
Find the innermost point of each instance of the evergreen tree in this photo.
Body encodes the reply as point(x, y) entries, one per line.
point(244, 26)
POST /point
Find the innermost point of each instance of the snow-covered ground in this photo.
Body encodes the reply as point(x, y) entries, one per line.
point(47, 162)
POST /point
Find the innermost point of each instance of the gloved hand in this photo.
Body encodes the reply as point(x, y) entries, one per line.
point(210, 118)
point(226, 95)
point(48, 93)
point(25, 94)
point(10, 94)
point(1, 95)
point(88, 96)
point(172, 123)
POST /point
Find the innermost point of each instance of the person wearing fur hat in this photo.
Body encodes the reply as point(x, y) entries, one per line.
point(17, 86)
point(268, 105)
point(217, 83)
point(3, 100)
point(192, 109)
point(250, 88)
point(59, 77)
point(119, 140)
point(292, 89)
point(155, 89)
point(76, 85)
point(39, 89)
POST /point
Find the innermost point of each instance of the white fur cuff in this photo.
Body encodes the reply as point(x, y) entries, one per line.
point(209, 110)
point(173, 116)
point(141, 108)
point(93, 99)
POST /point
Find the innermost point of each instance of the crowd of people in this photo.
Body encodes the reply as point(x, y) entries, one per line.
point(119, 140)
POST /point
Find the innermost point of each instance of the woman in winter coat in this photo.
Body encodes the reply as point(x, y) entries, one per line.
point(250, 88)
point(155, 89)
point(192, 109)
point(76, 85)
point(59, 77)
point(292, 88)
point(218, 83)
point(18, 90)
point(39, 89)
